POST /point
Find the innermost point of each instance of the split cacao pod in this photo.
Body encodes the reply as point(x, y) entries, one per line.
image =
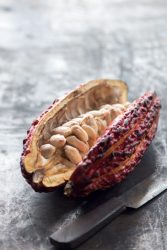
point(65, 133)
point(91, 139)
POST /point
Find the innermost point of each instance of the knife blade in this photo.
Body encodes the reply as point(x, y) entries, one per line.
point(88, 224)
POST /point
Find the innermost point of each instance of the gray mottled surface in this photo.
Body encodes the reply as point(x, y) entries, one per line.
point(46, 49)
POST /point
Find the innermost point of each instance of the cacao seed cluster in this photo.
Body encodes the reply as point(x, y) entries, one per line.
point(70, 142)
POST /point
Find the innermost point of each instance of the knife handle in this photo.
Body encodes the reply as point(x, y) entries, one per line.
point(86, 225)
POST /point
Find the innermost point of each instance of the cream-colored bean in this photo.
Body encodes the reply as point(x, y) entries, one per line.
point(71, 123)
point(38, 176)
point(78, 119)
point(80, 133)
point(90, 131)
point(118, 106)
point(72, 154)
point(58, 140)
point(68, 163)
point(96, 113)
point(74, 121)
point(106, 106)
point(74, 141)
point(102, 124)
point(107, 116)
point(92, 123)
point(47, 150)
point(115, 112)
point(90, 120)
point(66, 131)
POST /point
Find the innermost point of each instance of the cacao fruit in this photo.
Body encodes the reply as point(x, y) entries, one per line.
point(65, 133)
point(119, 149)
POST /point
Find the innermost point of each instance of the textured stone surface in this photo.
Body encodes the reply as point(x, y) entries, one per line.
point(46, 49)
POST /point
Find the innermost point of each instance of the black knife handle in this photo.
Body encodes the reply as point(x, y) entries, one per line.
point(86, 225)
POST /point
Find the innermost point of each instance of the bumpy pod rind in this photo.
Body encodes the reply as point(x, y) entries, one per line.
point(119, 150)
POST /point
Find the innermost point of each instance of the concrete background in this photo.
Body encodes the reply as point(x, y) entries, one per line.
point(46, 49)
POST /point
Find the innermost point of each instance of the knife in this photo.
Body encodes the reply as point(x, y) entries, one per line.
point(88, 224)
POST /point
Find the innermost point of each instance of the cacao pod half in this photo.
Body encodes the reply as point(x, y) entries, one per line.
point(119, 149)
point(64, 134)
